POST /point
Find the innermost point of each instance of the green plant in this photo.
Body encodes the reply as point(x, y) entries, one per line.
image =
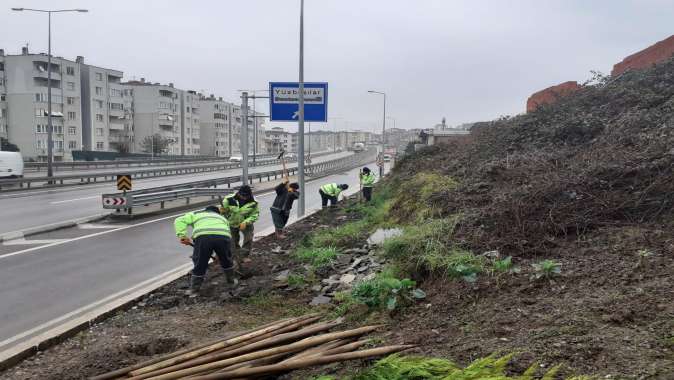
point(318, 257)
point(386, 291)
point(296, 280)
point(397, 367)
point(643, 255)
point(546, 269)
point(339, 236)
point(503, 267)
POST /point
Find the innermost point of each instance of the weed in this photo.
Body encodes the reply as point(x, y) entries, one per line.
point(643, 255)
point(386, 291)
point(259, 299)
point(397, 367)
point(546, 269)
point(503, 267)
point(317, 257)
point(415, 205)
point(296, 280)
point(341, 236)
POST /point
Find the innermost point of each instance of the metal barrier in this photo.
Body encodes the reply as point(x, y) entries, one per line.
point(159, 161)
point(102, 177)
point(141, 198)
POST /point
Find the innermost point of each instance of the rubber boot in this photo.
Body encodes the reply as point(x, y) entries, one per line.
point(195, 286)
point(231, 279)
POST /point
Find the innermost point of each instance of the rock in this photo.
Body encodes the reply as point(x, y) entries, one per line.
point(343, 260)
point(320, 300)
point(363, 269)
point(347, 278)
point(316, 288)
point(282, 276)
point(370, 277)
point(356, 251)
point(329, 281)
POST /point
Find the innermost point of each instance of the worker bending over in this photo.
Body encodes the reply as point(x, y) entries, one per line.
point(330, 192)
point(210, 232)
point(286, 194)
point(367, 182)
point(242, 210)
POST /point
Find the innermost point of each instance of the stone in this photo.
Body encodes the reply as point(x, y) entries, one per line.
point(343, 260)
point(356, 251)
point(347, 278)
point(382, 234)
point(282, 276)
point(316, 288)
point(320, 300)
point(363, 269)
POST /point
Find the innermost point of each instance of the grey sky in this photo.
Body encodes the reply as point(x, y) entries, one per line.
point(466, 60)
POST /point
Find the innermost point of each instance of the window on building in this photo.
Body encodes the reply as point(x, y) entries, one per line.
point(70, 70)
point(70, 100)
point(99, 104)
point(99, 90)
point(40, 112)
point(3, 97)
point(2, 66)
point(100, 145)
point(188, 109)
point(99, 117)
point(99, 76)
point(99, 131)
point(2, 81)
point(3, 113)
point(116, 106)
point(70, 86)
point(115, 92)
point(58, 129)
point(41, 128)
point(72, 131)
point(41, 144)
point(72, 115)
point(72, 144)
point(58, 145)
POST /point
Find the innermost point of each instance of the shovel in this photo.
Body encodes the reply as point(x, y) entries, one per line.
point(281, 157)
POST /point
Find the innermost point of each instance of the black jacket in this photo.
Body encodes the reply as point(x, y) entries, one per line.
point(284, 199)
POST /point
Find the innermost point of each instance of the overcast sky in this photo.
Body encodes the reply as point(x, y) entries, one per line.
point(466, 60)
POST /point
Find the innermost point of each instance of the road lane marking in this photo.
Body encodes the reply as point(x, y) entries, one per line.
point(93, 226)
point(168, 274)
point(74, 200)
point(32, 242)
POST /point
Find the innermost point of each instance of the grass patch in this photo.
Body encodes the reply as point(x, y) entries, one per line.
point(339, 236)
point(413, 198)
point(296, 280)
point(426, 248)
point(318, 257)
point(398, 367)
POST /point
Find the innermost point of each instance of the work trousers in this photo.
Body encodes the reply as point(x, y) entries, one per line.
point(279, 217)
point(325, 198)
point(367, 193)
point(242, 248)
point(204, 246)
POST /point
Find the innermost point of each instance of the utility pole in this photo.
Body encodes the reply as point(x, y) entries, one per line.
point(300, 158)
point(50, 126)
point(383, 133)
point(244, 137)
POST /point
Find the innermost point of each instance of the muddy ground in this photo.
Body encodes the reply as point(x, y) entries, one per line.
point(604, 315)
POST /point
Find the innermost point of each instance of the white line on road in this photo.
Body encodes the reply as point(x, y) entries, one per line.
point(92, 226)
point(74, 200)
point(32, 242)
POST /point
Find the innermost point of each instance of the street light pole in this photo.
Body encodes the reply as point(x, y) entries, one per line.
point(383, 132)
point(300, 161)
point(244, 137)
point(50, 127)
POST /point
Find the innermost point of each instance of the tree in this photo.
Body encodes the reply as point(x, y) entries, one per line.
point(7, 146)
point(155, 144)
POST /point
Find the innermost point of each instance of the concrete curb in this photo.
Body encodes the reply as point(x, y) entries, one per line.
point(50, 227)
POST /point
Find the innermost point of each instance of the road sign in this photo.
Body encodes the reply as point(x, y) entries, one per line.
point(284, 98)
point(113, 201)
point(123, 182)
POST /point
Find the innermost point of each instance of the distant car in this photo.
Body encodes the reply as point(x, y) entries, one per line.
point(387, 157)
point(11, 165)
point(236, 159)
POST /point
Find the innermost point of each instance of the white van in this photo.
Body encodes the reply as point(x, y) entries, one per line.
point(11, 165)
point(235, 159)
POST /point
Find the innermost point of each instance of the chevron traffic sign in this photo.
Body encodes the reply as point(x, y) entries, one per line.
point(111, 202)
point(123, 182)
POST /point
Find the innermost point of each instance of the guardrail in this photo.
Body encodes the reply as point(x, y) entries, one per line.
point(159, 161)
point(141, 198)
point(102, 177)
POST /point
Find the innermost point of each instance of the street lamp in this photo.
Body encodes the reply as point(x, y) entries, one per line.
point(255, 117)
point(383, 131)
point(50, 127)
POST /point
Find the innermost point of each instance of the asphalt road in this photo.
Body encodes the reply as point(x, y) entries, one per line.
point(73, 268)
point(21, 210)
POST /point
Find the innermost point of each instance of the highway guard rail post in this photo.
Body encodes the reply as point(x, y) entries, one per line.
point(141, 198)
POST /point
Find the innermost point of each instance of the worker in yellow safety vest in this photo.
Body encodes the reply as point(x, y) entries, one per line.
point(366, 182)
point(330, 192)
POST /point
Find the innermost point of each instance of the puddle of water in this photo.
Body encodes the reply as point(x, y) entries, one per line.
point(382, 234)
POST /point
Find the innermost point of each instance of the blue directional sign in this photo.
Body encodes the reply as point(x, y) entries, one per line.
point(284, 98)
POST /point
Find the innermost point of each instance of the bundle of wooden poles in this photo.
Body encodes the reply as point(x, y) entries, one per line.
point(274, 348)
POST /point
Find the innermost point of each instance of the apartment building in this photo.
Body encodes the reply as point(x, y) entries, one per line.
point(157, 110)
point(278, 139)
point(215, 126)
point(107, 113)
point(190, 123)
point(23, 104)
